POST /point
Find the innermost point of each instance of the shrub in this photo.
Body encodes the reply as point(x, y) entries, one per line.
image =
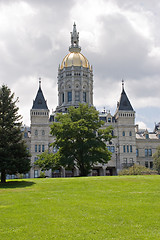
point(137, 170)
point(42, 175)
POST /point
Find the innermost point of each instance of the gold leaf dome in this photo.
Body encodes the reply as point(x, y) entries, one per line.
point(75, 59)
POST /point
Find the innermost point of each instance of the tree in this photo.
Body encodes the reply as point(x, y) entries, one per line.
point(80, 140)
point(14, 156)
point(156, 160)
point(47, 161)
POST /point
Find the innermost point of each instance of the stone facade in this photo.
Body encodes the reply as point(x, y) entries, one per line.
point(75, 85)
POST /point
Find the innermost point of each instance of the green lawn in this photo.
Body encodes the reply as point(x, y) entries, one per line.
point(126, 207)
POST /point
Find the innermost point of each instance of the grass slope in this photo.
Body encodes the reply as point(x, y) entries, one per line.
point(81, 208)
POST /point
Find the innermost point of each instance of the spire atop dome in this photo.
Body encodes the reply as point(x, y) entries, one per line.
point(74, 40)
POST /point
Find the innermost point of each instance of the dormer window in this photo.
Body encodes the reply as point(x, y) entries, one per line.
point(109, 119)
point(147, 136)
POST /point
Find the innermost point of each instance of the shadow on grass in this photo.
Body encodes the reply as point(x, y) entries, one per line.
point(16, 184)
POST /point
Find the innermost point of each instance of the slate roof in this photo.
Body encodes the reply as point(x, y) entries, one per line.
point(124, 103)
point(39, 102)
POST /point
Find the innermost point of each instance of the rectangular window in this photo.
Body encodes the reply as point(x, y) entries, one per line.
point(151, 165)
point(77, 96)
point(146, 152)
point(25, 135)
point(130, 148)
point(137, 153)
point(146, 164)
point(36, 148)
point(69, 96)
point(35, 159)
point(124, 148)
point(123, 133)
point(26, 175)
point(149, 152)
point(125, 160)
point(43, 132)
point(84, 97)
point(35, 173)
point(39, 148)
point(131, 160)
point(112, 149)
point(62, 97)
point(42, 148)
point(109, 148)
point(127, 148)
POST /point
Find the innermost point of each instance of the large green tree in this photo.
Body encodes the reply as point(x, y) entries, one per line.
point(156, 160)
point(79, 139)
point(14, 156)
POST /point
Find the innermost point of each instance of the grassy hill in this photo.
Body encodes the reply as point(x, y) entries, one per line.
point(81, 208)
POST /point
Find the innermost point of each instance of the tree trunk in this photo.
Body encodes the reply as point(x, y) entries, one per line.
point(3, 177)
point(83, 172)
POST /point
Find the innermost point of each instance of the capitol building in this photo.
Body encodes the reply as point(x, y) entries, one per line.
point(75, 85)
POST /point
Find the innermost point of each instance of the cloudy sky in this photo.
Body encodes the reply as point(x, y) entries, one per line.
point(120, 38)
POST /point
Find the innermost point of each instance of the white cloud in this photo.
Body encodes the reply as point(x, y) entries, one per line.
point(141, 125)
point(120, 38)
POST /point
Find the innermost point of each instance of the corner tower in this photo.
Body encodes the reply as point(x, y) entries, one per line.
point(75, 77)
point(124, 113)
point(125, 132)
point(39, 115)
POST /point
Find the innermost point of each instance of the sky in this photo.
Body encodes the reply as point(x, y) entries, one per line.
point(120, 38)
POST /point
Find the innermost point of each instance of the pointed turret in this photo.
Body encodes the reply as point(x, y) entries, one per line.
point(125, 111)
point(124, 103)
point(39, 102)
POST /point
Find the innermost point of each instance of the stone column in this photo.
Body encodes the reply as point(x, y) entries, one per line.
point(63, 172)
point(104, 170)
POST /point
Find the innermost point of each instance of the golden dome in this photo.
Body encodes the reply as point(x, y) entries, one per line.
point(75, 59)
